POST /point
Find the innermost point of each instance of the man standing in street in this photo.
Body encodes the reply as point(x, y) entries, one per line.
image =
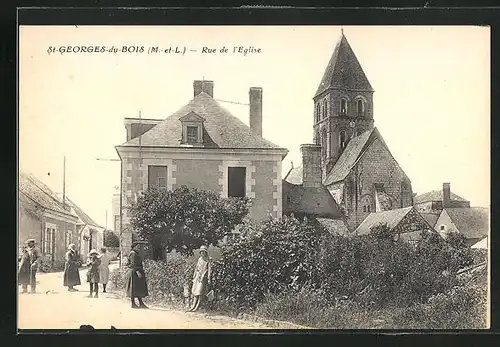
point(30, 262)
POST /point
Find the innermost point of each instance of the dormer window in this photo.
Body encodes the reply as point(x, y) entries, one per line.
point(192, 134)
point(192, 129)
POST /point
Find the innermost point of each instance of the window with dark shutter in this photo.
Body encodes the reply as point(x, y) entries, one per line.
point(236, 182)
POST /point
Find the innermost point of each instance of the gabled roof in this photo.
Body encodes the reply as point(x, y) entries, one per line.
point(295, 175)
point(435, 195)
point(355, 147)
point(344, 70)
point(392, 218)
point(312, 201)
point(482, 244)
point(472, 222)
point(39, 195)
point(192, 117)
point(221, 128)
point(334, 226)
point(84, 218)
point(431, 218)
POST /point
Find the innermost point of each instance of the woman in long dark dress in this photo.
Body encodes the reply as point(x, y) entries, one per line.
point(93, 273)
point(135, 283)
point(71, 274)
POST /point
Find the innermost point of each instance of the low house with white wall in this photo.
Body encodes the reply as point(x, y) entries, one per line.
point(472, 222)
point(45, 218)
point(90, 233)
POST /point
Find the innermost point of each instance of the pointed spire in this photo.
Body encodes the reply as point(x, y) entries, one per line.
point(344, 70)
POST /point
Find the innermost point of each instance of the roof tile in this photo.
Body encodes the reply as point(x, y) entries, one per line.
point(472, 222)
point(344, 70)
point(221, 128)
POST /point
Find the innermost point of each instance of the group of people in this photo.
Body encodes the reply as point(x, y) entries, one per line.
point(136, 285)
point(98, 268)
point(97, 273)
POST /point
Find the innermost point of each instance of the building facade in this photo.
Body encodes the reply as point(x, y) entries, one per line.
point(471, 222)
point(204, 146)
point(45, 218)
point(358, 168)
point(90, 233)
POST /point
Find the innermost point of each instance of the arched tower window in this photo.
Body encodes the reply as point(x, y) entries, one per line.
point(405, 194)
point(360, 108)
point(343, 106)
point(342, 139)
point(325, 108)
point(317, 115)
point(323, 142)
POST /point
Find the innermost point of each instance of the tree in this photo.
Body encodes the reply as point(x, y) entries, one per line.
point(111, 239)
point(185, 218)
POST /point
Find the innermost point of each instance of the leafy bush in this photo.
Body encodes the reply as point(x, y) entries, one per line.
point(165, 279)
point(312, 307)
point(464, 306)
point(271, 257)
point(111, 239)
point(185, 218)
point(117, 278)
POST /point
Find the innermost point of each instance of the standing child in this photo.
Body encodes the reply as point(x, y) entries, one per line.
point(104, 268)
point(93, 273)
point(201, 278)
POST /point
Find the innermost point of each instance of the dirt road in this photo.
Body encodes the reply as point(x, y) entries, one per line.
point(53, 307)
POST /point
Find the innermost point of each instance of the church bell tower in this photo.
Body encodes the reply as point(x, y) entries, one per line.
point(343, 104)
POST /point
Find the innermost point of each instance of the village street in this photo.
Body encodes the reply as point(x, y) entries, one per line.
point(53, 307)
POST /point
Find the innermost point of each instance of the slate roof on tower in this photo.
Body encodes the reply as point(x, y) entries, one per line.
point(344, 70)
point(220, 128)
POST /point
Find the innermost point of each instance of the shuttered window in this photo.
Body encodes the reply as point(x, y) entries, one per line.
point(236, 181)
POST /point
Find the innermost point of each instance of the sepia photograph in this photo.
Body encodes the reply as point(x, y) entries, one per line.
point(253, 177)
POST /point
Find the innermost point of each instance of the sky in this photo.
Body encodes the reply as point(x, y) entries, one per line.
point(431, 100)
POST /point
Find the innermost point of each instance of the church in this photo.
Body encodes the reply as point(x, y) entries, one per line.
point(358, 168)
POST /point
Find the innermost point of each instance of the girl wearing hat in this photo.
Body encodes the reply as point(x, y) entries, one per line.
point(93, 273)
point(201, 278)
point(71, 274)
point(135, 283)
point(104, 269)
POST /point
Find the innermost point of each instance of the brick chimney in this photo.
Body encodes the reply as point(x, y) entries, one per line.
point(203, 86)
point(446, 195)
point(311, 165)
point(255, 94)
